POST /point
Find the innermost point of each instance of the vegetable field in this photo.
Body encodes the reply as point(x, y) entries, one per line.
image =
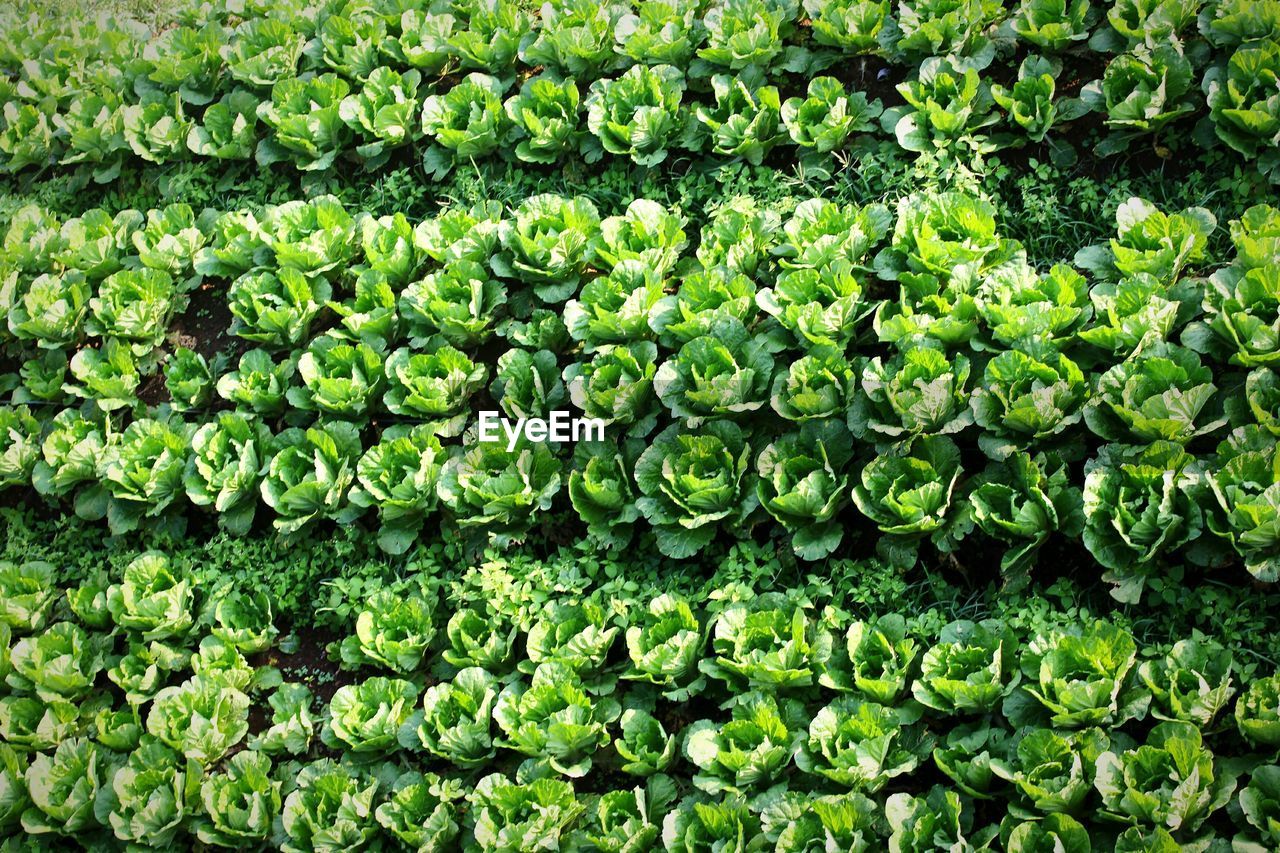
point(935, 350)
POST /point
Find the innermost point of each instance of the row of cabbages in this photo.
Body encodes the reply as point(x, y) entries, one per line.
point(760, 387)
point(817, 716)
point(307, 84)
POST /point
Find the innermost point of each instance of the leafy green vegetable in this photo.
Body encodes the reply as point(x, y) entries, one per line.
point(306, 117)
point(970, 669)
point(310, 473)
point(909, 497)
point(694, 482)
point(500, 490)
point(365, 718)
point(862, 745)
point(1168, 782)
point(638, 114)
point(803, 484)
point(1139, 506)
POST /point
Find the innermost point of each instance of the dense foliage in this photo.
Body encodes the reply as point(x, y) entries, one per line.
point(926, 515)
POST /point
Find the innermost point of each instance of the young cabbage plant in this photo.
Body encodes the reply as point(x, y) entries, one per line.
point(142, 474)
point(644, 745)
point(575, 38)
point(262, 51)
point(310, 474)
point(276, 309)
point(946, 107)
point(545, 114)
point(877, 660)
point(464, 123)
point(1192, 683)
point(1161, 393)
point(422, 811)
point(510, 815)
point(1245, 486)
point(456, 723)
point(850, 26)
point(740, 235)
point(721, 374)
point(59, 664)
point(1169, 782)
point(189, 380)
point(458, 304)
point(804, 482)
point(1260, 803)
point(1035, 314)
point(201, 718)
point(660, 32)
point(553, 721)
point(390, 248)
point(150, 798)
point(744, 119)
point(1258, 712)
point(19, 445)
point(1141, 93)
point(1077, 677)
point(1029, 103)
point(1242, 109)
point(500, 491)
point(938, 819)
point(576, 636)
point(305, 117)
point(704, 298)
point(258, 385)
point(228, 458)
point(693, 482)
point(393, 630)
point(638, 115)
point(291, 726)
point(1140, 505)
point(69, 455)
point(908, 497)
point(768, 643)
point(918, 392)
point(1051, 770)
point(228, 130)
point(1053, 25)
point(331, 807)
point(699, 822)
point(108, 376)
point(748, 752)
point(862, 745)
point(549, 244)
point(340, 379)
point(749, 34)
point(365, 718)
point(665, 646)
point(239, 803)
point(615, 308)
point(1022, 501)
point(316, 237)
point(384, 113)
point(827, 116)
point(398, 476)
point(602, 489)
point(433, 386)
point(52, 309)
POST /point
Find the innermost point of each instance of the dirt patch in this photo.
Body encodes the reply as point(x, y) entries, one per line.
point(205, 325)
point(310, 664)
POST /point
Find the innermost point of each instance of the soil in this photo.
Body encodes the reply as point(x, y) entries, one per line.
point(309, 664)
point(205, 325)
